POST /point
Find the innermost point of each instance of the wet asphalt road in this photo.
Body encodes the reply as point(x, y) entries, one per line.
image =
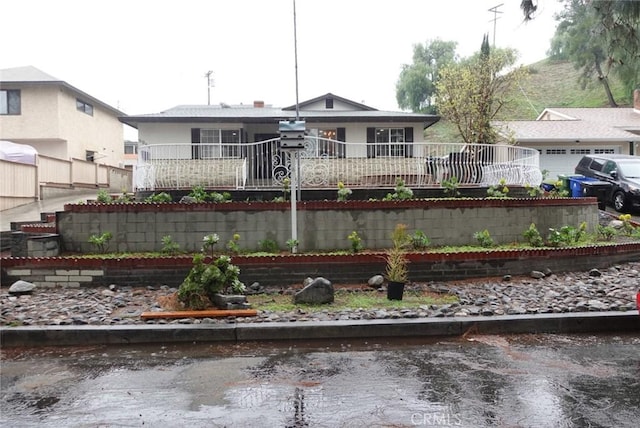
point(513, 381)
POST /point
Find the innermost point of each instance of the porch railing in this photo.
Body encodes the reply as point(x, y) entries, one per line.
point(324, 163)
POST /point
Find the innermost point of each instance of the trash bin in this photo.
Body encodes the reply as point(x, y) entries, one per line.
point(565, 180)
point(599, 189)
point(575, 185)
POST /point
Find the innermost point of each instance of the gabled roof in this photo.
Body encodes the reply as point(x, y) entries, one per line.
point(30, 75)
point(225, 113)
point(357, 106)
point(572, 124)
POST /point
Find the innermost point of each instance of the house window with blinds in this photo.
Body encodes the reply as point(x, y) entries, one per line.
point(219, 143)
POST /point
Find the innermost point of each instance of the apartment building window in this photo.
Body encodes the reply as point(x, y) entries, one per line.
point(84, 107)
point(9, 101)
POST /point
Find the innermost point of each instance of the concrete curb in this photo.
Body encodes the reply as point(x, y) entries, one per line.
point(585, 322)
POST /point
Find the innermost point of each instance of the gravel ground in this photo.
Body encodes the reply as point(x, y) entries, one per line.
point(612, 289)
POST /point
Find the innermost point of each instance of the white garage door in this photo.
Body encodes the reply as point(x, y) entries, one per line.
point(563, 160)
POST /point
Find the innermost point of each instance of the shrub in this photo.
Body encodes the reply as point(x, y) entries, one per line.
point(205, 280)
point(268, 246)
point(402, 192)
point(356, 241)
point(419, 240)
point(169, 246)
point(104, 197)
point(343, 192)
point(606, 232)
point(232, 244)
point(451, 186)
point(533, 237)
point(499, 190)
point(101, 242)
point(198, 194)
point(209, 241)
point(159, 198)
point(484, 238)
point(292, 244)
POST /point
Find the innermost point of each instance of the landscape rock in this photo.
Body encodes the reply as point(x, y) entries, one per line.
point(319, 291)
point(21, 287)
point(537, 274)
point(376, 281)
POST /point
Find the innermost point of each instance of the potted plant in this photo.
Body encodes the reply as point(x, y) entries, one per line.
point(397, 271)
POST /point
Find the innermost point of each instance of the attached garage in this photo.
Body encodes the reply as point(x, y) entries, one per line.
point(563, 135)
point(563, 160)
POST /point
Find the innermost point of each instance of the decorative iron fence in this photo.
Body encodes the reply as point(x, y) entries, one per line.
point(323, 163)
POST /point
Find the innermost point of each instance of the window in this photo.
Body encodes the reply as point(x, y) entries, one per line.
point(580, 151)
point(604, 151)
point(220, 143)
point(9, 101)
point(328, 103)
point(327, 145)
point(390, 142)
point(84, 107)
point(556, 151)
point(130, 149)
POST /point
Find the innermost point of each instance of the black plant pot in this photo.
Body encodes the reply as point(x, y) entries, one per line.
point(395, 290)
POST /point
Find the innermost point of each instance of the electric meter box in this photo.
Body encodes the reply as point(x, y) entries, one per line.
point(292, 133)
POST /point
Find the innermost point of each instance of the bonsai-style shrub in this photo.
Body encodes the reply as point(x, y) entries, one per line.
point(205, 280)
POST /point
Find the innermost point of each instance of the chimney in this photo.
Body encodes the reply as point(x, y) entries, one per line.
point(258, 104)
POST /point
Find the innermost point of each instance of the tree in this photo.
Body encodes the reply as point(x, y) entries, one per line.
point(617, 26)
point(579, 40)
point(472, 92)
point(416, 86)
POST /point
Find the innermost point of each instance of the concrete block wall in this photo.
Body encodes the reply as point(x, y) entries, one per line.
point(322, 226)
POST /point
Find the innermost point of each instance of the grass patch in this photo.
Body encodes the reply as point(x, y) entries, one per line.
point(351, 300)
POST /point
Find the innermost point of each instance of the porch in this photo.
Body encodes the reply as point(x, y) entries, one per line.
point(323, 163)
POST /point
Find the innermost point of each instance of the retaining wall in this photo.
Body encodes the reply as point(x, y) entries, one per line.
point(322, 225)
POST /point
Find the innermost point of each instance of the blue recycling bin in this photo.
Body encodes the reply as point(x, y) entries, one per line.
point(575, 185)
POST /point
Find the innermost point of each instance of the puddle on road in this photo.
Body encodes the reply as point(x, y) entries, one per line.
point(531, 380)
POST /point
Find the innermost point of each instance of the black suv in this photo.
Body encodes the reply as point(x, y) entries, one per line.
point(622, 171)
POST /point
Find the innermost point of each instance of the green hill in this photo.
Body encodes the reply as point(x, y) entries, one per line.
point(549, 84)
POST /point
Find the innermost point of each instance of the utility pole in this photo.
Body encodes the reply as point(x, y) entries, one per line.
point(209, 84)
point(495, 11)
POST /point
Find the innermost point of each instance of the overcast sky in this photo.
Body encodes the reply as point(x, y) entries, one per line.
point(145, 56)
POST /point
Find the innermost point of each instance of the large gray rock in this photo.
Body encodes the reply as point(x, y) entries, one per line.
point(230, 301)
point(317, 292)
point(376, 281)
point(21, 287)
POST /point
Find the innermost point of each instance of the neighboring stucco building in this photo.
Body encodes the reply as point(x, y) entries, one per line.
point(57, 119)
point(564, 135)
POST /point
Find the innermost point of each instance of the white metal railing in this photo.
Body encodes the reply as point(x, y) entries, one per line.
point(324, 163)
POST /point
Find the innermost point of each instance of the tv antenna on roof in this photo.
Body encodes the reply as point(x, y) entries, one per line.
point(209, 85)
point(495, 11)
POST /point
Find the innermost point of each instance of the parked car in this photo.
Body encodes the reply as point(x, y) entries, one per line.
point(622, 171)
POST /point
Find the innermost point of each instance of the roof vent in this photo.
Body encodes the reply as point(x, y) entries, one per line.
point(258, 104)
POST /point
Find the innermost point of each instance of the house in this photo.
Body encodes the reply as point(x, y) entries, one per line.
point(57, 119)
point(564, 135)
point(238, 145)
